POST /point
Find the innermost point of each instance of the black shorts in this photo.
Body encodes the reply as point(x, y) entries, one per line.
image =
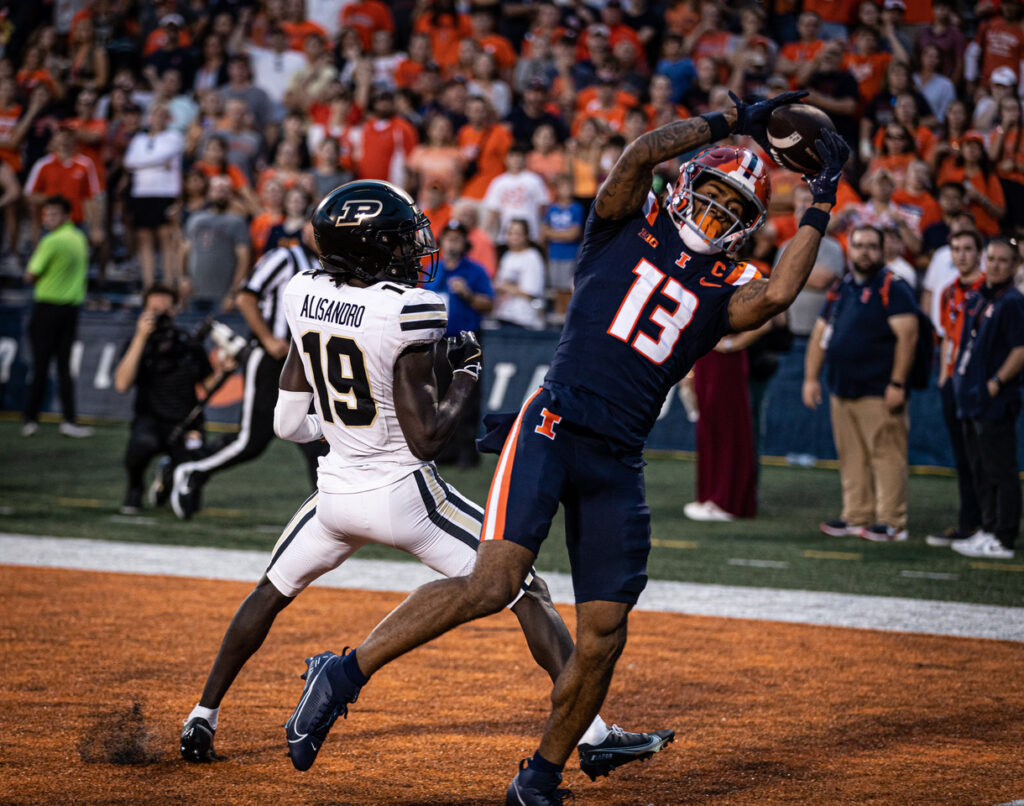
point(150, 212)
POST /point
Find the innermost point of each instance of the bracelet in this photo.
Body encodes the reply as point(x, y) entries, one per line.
point(816, 218)
point(896, 384)
point(718, 124)
point(998, 382)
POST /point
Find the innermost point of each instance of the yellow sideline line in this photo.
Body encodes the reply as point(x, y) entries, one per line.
point(831, 555)
point(91, 503)
point(997, 567)
point(222, 512)
point(675, 544)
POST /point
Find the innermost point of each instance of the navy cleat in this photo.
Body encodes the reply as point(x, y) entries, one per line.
point(621, 747)
point(307, 727)
point(533, 788)
point(197, 741)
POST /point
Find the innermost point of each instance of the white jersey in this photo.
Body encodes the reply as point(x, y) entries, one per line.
point(349, 339)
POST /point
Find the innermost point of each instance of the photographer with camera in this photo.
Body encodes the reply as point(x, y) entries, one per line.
point(164, 363)
point(260, 302)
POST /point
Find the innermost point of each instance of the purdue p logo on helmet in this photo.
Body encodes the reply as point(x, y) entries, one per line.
point(354, 211)
point(373, 230)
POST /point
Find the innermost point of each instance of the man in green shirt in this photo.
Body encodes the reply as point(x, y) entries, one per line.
point(58, 270)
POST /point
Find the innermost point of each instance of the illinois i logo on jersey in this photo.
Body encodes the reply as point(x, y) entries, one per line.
point(354, 211)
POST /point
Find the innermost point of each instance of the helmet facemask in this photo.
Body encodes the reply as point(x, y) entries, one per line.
point(414, 256)
point(706, 224)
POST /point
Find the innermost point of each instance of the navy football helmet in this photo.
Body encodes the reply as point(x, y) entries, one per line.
point(373, 230)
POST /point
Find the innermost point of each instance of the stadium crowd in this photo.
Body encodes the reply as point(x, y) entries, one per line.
point(170, 125)
point(190, 137)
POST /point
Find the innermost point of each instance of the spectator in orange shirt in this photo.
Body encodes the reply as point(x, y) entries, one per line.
point(796, 59)
point(999, 43)
point(584, 151)
point(916, 197)
point(1006, 151)
point(65, 173)
point(446, 28)
point(367, 17)
point(547, 26)
point(434, 204)
point(410, 68)
point(286, 169)
point(271, 213)
point(214, 162)
point(33, 72)
point(384, 142)
point(896, 154)
point(881, 109)
point(660, 109)
point(297, 26)
point(711, 40)
point(950, 136)
point(835, 16)
point(613, 27)
point(983, 193)
point(867, 63)
point(482, 20)
point(159, 36)
point(547, 156)
point(437, 160)
point(484, 144)
point(481, 247)
point(606, 106)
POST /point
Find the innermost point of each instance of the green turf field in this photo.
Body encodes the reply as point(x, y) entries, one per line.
point(52, 485)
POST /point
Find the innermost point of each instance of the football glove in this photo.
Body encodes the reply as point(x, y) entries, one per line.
point(834, 153)
point(752, 119)
point(465, 354)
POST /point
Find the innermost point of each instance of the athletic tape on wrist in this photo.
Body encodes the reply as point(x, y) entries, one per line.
point(719, 126)
point(815, 218)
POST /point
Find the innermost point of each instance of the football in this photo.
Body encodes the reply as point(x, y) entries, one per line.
point(792, 131)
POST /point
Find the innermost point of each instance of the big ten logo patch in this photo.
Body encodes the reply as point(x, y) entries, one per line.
point(650, 239)
point(548, 423)
point(354, 211)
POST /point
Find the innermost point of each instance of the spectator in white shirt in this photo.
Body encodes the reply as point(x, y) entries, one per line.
point(273, 67)
point(517, 193)
point(154, 160)
point(519, 284)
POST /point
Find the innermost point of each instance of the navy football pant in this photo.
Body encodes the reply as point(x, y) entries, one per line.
point(547, 460)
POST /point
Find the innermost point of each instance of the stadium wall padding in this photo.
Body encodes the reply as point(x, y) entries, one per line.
point(515, 363)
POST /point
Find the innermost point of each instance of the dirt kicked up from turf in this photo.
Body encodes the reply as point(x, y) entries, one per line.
point(100, 669)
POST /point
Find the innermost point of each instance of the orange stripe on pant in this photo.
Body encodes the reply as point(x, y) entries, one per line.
point(497, 496)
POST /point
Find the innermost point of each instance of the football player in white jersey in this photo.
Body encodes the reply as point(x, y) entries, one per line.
point(363, 337)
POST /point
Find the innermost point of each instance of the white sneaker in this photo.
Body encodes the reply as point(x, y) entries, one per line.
point(75, 430)
point(29, 429)
point(706, 511)
point(983, 544)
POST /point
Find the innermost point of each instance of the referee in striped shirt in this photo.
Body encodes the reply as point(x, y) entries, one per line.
point(261, 303)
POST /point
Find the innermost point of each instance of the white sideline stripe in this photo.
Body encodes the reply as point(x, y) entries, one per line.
point(721, 601)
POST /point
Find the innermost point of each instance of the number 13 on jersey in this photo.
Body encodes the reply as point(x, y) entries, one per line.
point(648, 280)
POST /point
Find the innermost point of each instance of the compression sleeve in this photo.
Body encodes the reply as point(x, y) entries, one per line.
point(291, 420)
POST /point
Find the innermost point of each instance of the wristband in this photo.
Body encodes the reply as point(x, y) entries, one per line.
point(896, 384)
point(816, 218)
point(718, 124)
point(998, 382)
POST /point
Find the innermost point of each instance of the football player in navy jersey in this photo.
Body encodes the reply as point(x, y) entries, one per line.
point(655, 290)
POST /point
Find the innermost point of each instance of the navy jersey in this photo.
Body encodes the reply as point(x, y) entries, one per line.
point(643, 310)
